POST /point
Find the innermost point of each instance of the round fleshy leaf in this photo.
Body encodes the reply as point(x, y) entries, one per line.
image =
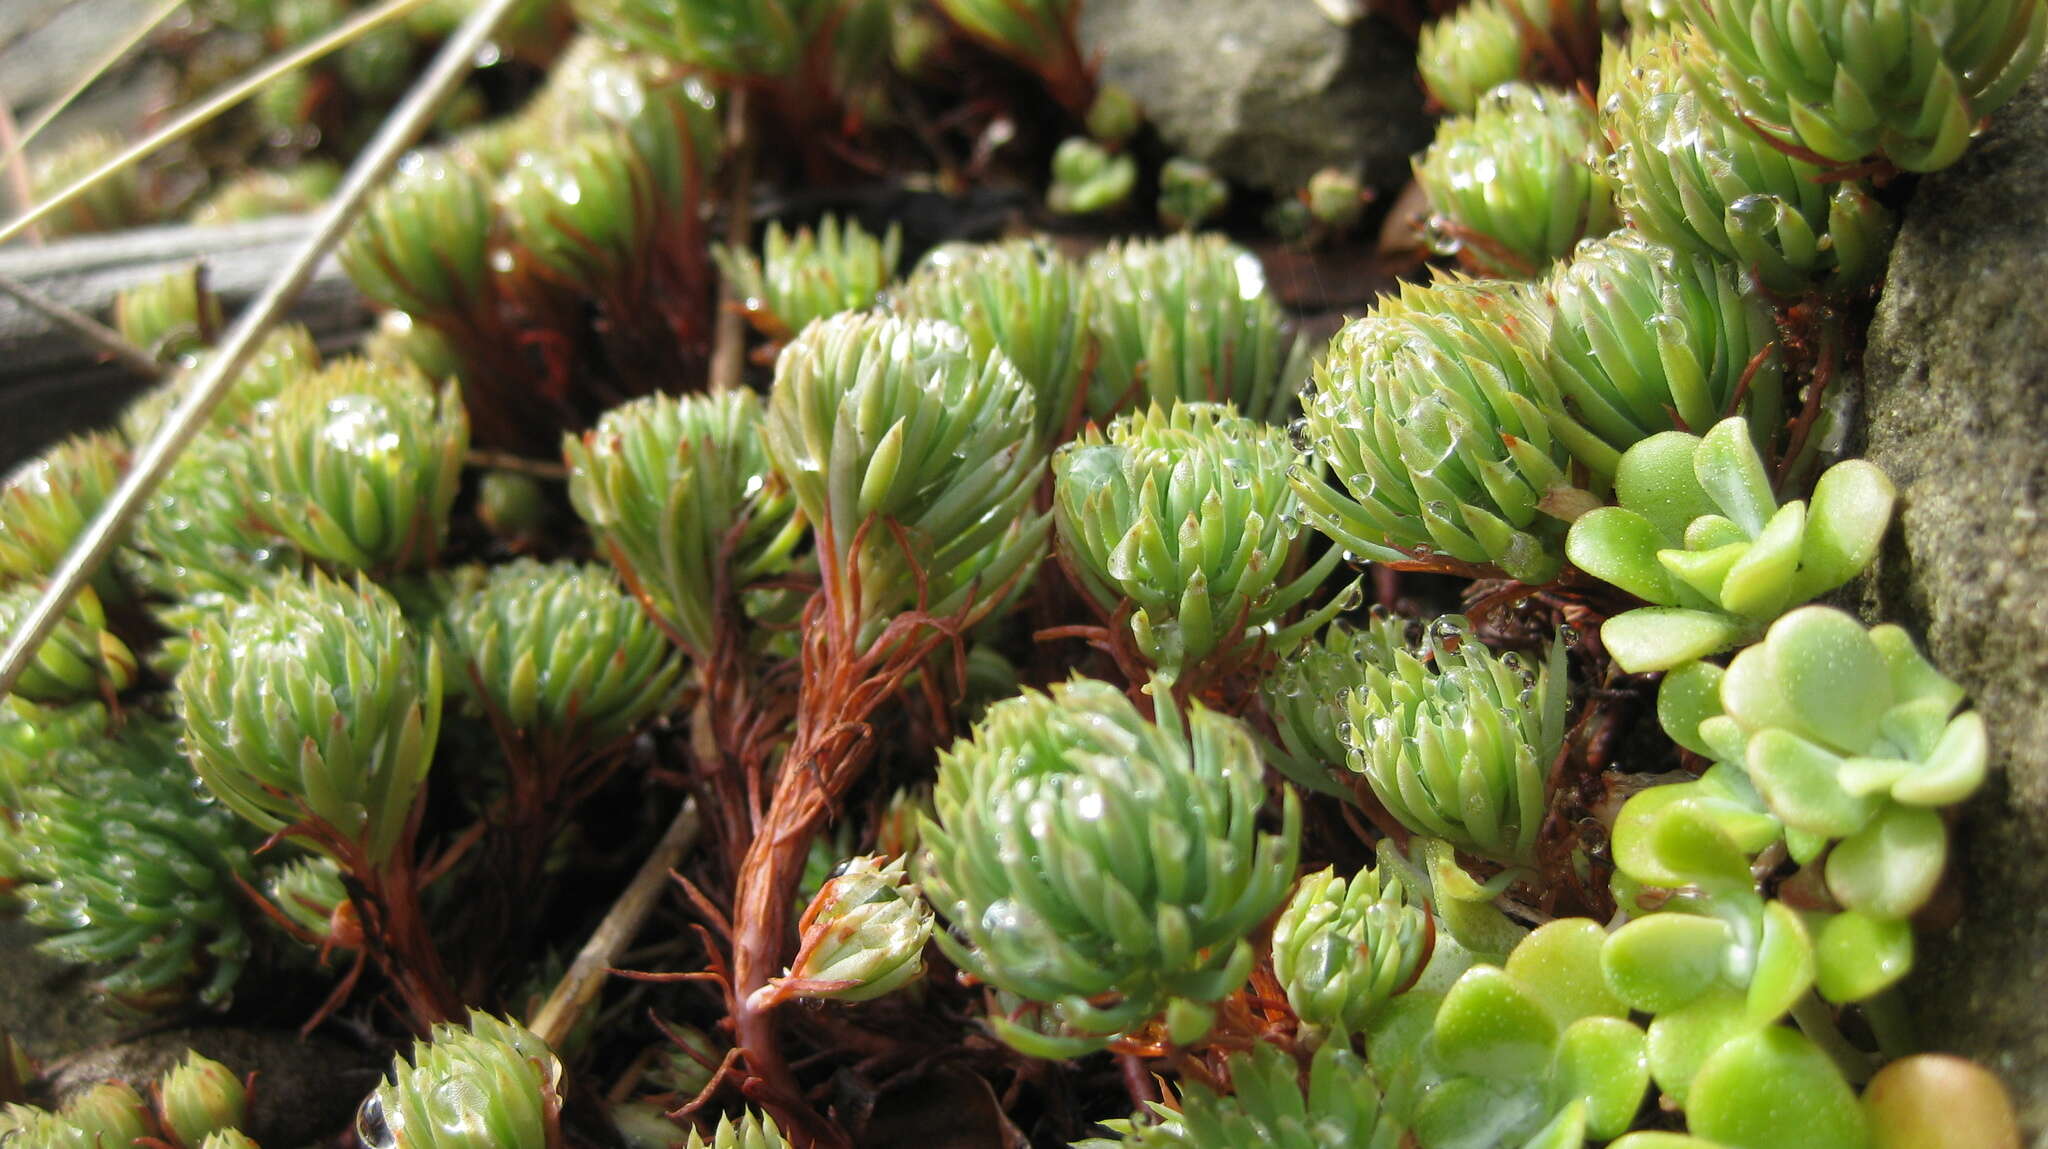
point(1784, 965)
point(1567, 1130)
point(1953, 770)
point(1859, 957)
point(1601, 1063)
point(1655, 480)
point(1890, 868)
point(1661, 962)
point(1656, 638)
point(1688, 840)
point(1852, 505)
point(1688, 696)
point(1935, 1101)
point(1752, 696)
point(1682, 1040)
point(1798, 780)
point(1659, 1139)
point(1559, 964)
point(1479, 1112)
point(1760, 583)
point(1489, 1026)
point(1775, 1090)
point(1733, 476)
point(1831, 674)
point(1620, 547)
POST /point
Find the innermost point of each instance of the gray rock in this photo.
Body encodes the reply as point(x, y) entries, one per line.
point(305, 1089)
point(1956, 397)
point(1265, 93)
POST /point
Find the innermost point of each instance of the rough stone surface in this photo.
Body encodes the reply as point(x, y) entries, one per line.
point(305, 1089)
point(1265, 93)
point(1956, 396)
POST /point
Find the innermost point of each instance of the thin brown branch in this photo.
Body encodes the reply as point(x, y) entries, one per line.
point(85, 327)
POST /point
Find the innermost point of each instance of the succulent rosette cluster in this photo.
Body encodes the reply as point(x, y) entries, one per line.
point(1517, 182)
point(1185, 513)
point(489, 1083)
point(811, 274)
point(1189, 318)
point(913, 458)
point(1105, 869)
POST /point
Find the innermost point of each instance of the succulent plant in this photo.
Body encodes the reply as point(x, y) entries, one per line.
point(1337, 1106)
point(810, 275)
point(669, 119)
point(1088, 179)
point(285, 355)
point(1190, 195)
point(513, 506)
point(863, 936)
point(1533, 1052)
point(1334, 198)
point(172, 318)
point(1304, 694)
point(752, 1131)
point(884, 424)
point(1186, 513)
point(228, 1139)
point(81, 659)
point(311, 894)
point(262, 193)
point(1188, 318)
point(1105, 865)
point(584, 210)
point(195, 534)
point(561, 655)
point(1457, 742)
point(1342, 949)
point(1114, 115)
point(46, 503)
point(26, 1127)
point(1850, 81)
point(1646, 338)
point(1517, 182)
point(1470, 52)
point(111, 1113)
point(1022, 298)
point(129, 867)
point(729, 38)
point(359, 464)
point(198, 1098)
point(423, 243)
point(1700, 536)
point(1849, 736)
point(1687, 178)
point(491, 1084)
point(314, 700)
point(1433, 414)
point(109, 205)
point(683, 499)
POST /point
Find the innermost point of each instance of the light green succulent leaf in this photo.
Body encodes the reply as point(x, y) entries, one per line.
point(1621, 547)
point(1890, 867)
point(1774, 1089)
point(1663, 962)
point(1559, 964)
point(1681, 1040)
point(1857, 956)
point(1492, 1025)
point(1689, 695)
point(1601, 1066)
point(1652, 638)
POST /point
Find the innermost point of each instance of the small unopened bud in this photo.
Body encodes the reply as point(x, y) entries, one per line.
point(198, 1097)
point(863, 936)
point(111, 1111)
point(1336, 199)
point(1114, 116)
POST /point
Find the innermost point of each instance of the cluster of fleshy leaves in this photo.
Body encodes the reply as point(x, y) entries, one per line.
point(1108, 861)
